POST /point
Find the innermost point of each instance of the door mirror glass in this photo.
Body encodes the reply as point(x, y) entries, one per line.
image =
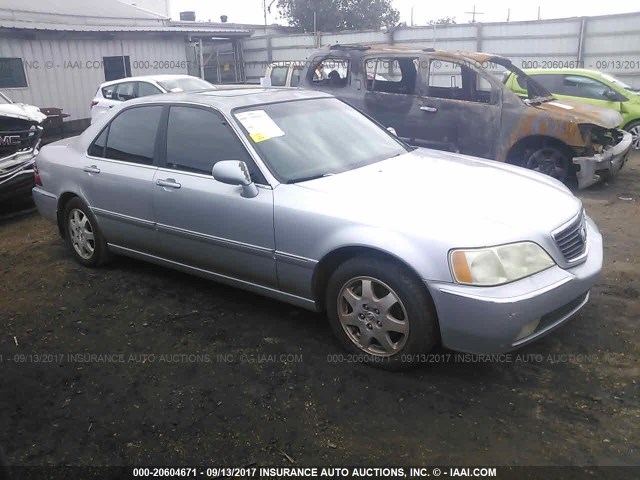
point(235, 172)
point(612, 95)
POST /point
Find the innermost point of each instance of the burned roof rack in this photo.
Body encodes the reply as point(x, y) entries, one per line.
point(345, 46)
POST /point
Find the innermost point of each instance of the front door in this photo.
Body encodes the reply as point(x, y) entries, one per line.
point(461, 107)
point(205, 223)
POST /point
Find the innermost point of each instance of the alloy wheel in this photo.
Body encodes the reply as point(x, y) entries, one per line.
point(373, 316)
point(81, 233)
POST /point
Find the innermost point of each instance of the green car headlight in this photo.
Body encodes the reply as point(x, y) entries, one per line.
point(498, 265)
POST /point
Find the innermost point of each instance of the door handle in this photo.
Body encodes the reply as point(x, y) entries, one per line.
point(91, 169)
point(427, 108)
point(169, 182)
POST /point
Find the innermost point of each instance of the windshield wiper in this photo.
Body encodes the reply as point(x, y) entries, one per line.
point(311, 177)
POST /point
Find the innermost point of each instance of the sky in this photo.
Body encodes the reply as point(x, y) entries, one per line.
point(251, 11)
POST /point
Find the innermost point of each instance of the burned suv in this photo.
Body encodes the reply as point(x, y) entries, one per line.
point(458, 102)
point(20, 131)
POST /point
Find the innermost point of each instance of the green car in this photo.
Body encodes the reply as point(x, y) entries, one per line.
point(588, 86)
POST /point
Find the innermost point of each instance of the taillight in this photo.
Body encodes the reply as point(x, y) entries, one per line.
point(36, 175)
point(94, 103)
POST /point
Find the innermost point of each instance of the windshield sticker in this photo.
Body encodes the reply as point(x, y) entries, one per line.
point(561, 105)
point(259, 125)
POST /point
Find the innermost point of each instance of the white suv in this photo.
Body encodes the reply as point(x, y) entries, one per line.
point(112, 93)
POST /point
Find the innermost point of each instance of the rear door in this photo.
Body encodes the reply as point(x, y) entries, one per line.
point(118, 177)
point(205, 223)
point(390, 94)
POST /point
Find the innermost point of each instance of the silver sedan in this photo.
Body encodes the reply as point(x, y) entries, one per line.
point(297, 196)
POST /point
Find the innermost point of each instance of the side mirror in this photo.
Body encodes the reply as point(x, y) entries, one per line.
point(392, 130)
point(235, 172)
point(612, 95)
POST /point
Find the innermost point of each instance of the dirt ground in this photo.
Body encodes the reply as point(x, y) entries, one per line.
point(202, 373)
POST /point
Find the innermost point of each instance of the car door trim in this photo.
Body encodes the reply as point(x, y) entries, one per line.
point(99, 212)
point(244, 247)
point(295, 259)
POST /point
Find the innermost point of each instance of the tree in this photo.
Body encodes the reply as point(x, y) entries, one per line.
point(334, 15)
point(443, 21)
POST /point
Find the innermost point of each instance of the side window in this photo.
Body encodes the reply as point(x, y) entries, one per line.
point(279, 76)
point(295, 76)
point(132, 135)
point(145, 89)
point(551, 82)
point(585, 87)
point(97, 147)
point(456, 81)
point(331, 72)
point(210, 139)
point(125, 91)
point(445, 79)
point(391, 75)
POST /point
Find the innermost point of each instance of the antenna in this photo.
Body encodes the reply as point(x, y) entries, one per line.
point(473, 14)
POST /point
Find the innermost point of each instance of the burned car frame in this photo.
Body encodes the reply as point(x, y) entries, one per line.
point(20, 132)
point(458, 102)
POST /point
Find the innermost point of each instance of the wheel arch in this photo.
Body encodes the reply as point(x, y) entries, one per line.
point(631, 123)
point(531, 140)
point(333, 259)
point(62, 204)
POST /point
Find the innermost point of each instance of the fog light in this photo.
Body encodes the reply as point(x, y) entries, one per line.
point(528, 329)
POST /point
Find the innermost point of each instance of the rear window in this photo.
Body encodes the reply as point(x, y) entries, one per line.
point(107, 92)
point(279, 76)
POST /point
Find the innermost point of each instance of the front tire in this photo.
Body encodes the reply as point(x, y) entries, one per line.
point(380, 312)
point(549, 159)
point(83, 236)
point(634, 129)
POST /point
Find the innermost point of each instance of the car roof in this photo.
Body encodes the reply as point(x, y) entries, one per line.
point(230, 99)
point(153, 78)
point(477, 57)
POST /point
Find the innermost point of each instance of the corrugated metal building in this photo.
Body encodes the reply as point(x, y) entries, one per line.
point(55, 53)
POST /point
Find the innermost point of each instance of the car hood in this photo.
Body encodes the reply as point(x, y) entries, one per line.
point(457, 194)
point(22, 112)
point(580, 112)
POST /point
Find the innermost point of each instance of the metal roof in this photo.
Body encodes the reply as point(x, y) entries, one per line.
point(75, 9)
point(62, 27)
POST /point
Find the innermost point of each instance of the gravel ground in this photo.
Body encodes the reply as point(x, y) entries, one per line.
point(194, 372)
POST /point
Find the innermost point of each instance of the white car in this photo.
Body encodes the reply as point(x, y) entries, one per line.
point(113, 93)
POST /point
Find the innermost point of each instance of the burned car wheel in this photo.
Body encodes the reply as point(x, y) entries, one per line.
point(551, 160)
point(634, 129)
point(378, 310)
point(83, 237)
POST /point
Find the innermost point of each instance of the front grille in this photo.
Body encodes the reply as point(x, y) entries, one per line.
point(572, 240)
point(558, 314)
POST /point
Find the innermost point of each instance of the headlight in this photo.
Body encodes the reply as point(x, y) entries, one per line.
point(497, 265)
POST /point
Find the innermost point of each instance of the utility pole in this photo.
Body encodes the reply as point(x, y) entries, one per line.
point(508, 14)
point(474, 13)
point(412, 7)
point(538, 13)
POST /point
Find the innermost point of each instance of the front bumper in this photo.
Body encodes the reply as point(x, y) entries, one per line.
point(487, 320)
point(16, 175)
point(609, 162)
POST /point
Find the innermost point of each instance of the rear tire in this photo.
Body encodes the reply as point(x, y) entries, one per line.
point(378, 311)
point(83, 236)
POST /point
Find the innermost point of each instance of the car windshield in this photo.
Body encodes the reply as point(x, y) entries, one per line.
point(307, 139)
point(184, 84)
point(619, 83)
